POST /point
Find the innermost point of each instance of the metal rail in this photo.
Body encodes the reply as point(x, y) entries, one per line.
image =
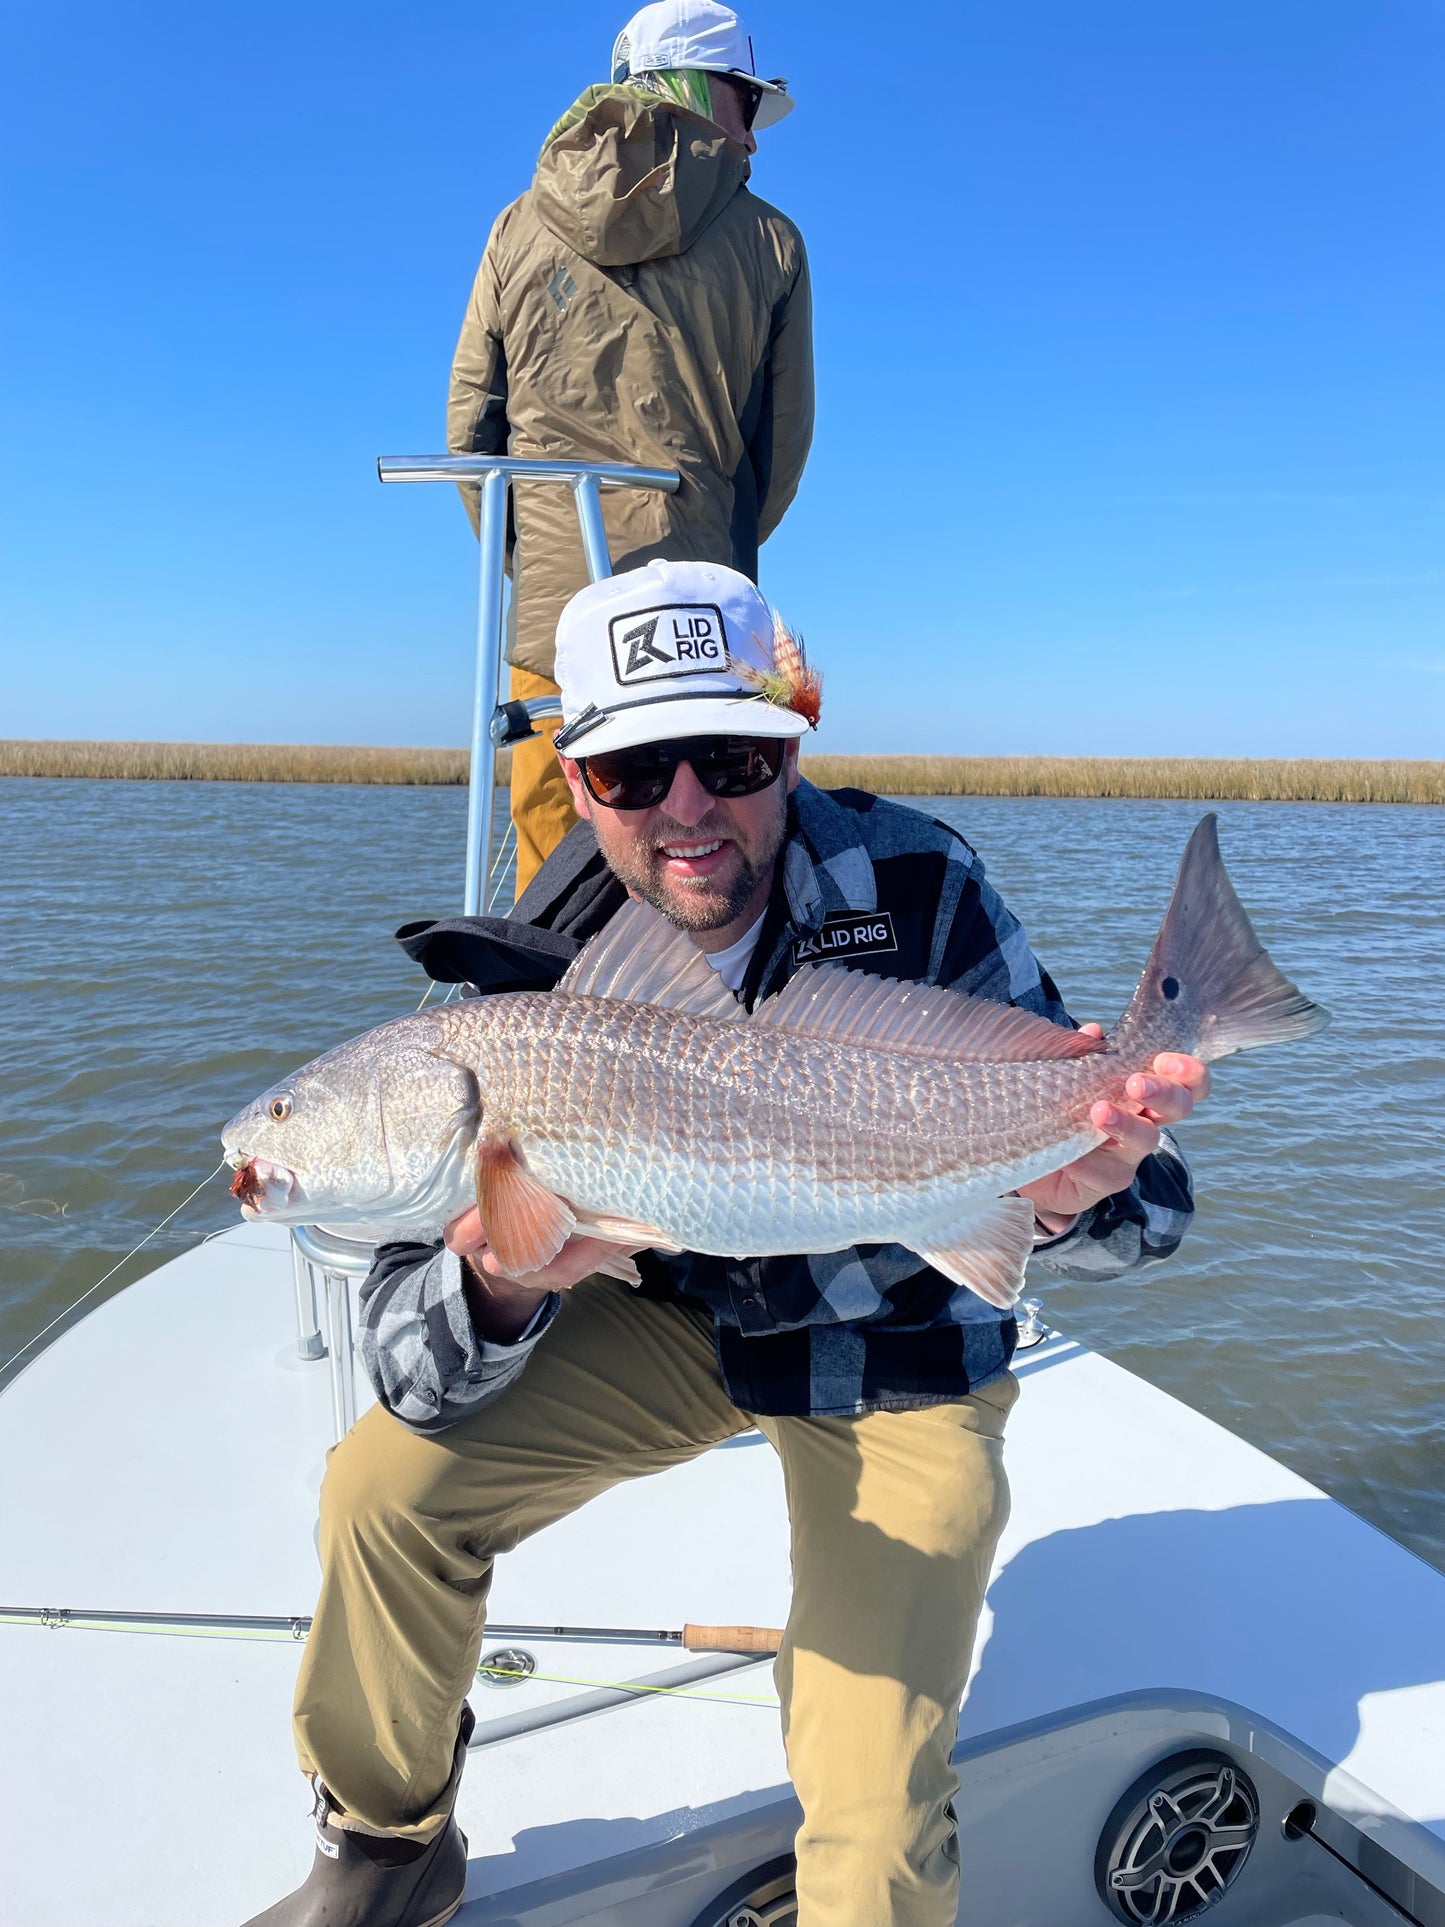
point(492, 725)
point(317, 1253)
point(338, 1260)
point(309, 1342)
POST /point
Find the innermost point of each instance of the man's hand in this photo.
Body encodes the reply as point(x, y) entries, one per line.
point(1165, 1093)
point(503, 1307)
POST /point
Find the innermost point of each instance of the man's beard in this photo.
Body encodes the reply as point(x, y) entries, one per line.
point(696, 903)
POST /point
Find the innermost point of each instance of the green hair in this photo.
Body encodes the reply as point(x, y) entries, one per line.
point(690, 87)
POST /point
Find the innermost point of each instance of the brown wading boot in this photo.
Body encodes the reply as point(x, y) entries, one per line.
point(372, 1880)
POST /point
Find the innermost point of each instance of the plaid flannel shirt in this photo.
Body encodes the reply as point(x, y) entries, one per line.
point(835, 1332)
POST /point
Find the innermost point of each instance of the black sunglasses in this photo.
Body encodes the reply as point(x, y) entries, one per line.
point(752, 101)
point(639, 779)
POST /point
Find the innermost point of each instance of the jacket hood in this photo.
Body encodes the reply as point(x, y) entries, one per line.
point(626, 177)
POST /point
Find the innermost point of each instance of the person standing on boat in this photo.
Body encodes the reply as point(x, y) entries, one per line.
point(507, 1403)
point(638, 304)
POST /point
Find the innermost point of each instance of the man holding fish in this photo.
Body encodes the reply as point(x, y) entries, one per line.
point(886, 1156)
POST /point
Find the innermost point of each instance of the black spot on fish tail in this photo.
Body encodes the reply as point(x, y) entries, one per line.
point(1210, 987)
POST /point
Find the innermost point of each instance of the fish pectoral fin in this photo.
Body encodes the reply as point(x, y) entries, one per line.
point(621, 1268)
point(987, 1251)
point(916, 1020)
point(641, 958)
point(623, 1231)
point(526, 1224)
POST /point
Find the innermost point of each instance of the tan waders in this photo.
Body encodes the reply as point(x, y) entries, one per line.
point(895, 1516)
point(541, 803)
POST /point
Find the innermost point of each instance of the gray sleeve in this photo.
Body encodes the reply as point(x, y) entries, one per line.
point(1136, 1227)
point(422, 1353)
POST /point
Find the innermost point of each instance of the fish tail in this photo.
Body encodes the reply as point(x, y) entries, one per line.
point(1210, 987)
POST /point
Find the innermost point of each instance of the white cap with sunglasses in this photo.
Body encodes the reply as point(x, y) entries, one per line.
point(678, 35)
point(673, 649)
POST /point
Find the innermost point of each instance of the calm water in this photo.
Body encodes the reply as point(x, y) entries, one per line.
point(168, 949)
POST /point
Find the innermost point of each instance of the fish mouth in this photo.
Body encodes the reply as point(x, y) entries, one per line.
point(261, 1188)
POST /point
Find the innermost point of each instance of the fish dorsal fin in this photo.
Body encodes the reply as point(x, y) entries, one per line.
point(641, 958)
point(988, 1250)
point(919, 1020)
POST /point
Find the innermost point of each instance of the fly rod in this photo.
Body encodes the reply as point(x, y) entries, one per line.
point(693, 1639)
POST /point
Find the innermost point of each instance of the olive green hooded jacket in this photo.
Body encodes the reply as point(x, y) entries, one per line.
point(637, 304)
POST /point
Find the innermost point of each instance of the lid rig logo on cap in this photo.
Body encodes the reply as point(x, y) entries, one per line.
point(678, 649)
point(681, 641)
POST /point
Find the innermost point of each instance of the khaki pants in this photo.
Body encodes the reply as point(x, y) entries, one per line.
point(894, 1517)
point(541, 802)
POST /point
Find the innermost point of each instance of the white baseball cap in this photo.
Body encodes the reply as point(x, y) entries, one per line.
point(701, 34)
point(672, 649)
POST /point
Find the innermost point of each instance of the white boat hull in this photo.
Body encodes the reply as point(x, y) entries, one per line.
point(164, 1455)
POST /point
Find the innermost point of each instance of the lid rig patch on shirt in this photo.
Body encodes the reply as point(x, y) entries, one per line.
point(846, 934)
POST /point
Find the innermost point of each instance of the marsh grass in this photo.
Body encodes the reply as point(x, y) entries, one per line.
point(238, 763)
point(1197, 778)
point(1206, 779)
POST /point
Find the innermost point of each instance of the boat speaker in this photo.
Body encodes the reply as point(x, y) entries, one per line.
point(1178, 1839)
point(766, 1897)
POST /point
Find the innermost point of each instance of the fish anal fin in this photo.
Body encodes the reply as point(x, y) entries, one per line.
point(641, 958)
point(620, 1268)
point(623, 1231)
point(526, 1224)
point(918, 1020)
point(987, 1251)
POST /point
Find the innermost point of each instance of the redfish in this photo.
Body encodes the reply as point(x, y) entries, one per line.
point(639, 1102)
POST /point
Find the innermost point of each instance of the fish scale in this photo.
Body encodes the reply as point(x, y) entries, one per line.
point(813, 1145)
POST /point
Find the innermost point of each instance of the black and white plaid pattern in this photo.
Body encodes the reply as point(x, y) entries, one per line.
point(419, 1345)
point(838, 1332)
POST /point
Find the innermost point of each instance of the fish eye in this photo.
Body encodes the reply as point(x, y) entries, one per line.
point(281, 1107)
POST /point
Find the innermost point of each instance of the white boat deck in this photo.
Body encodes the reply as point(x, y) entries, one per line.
point(164, 1455)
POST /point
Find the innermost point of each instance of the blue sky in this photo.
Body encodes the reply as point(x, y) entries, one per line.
point(1129, 324)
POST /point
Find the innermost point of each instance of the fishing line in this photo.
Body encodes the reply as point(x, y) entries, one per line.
point(176, 1628)
point(500, 864)
point(496, 880)
point(498, 1675)
point(14, 1356)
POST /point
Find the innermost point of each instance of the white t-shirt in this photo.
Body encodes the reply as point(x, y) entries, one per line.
point(732, 964)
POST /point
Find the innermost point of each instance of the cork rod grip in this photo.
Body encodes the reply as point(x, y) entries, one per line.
point(732, 1639)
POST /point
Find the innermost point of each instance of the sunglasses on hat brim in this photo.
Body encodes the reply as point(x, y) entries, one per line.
point(725, 766)
point(752, 100)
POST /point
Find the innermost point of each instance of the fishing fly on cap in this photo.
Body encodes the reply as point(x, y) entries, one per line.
point(792, 682)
